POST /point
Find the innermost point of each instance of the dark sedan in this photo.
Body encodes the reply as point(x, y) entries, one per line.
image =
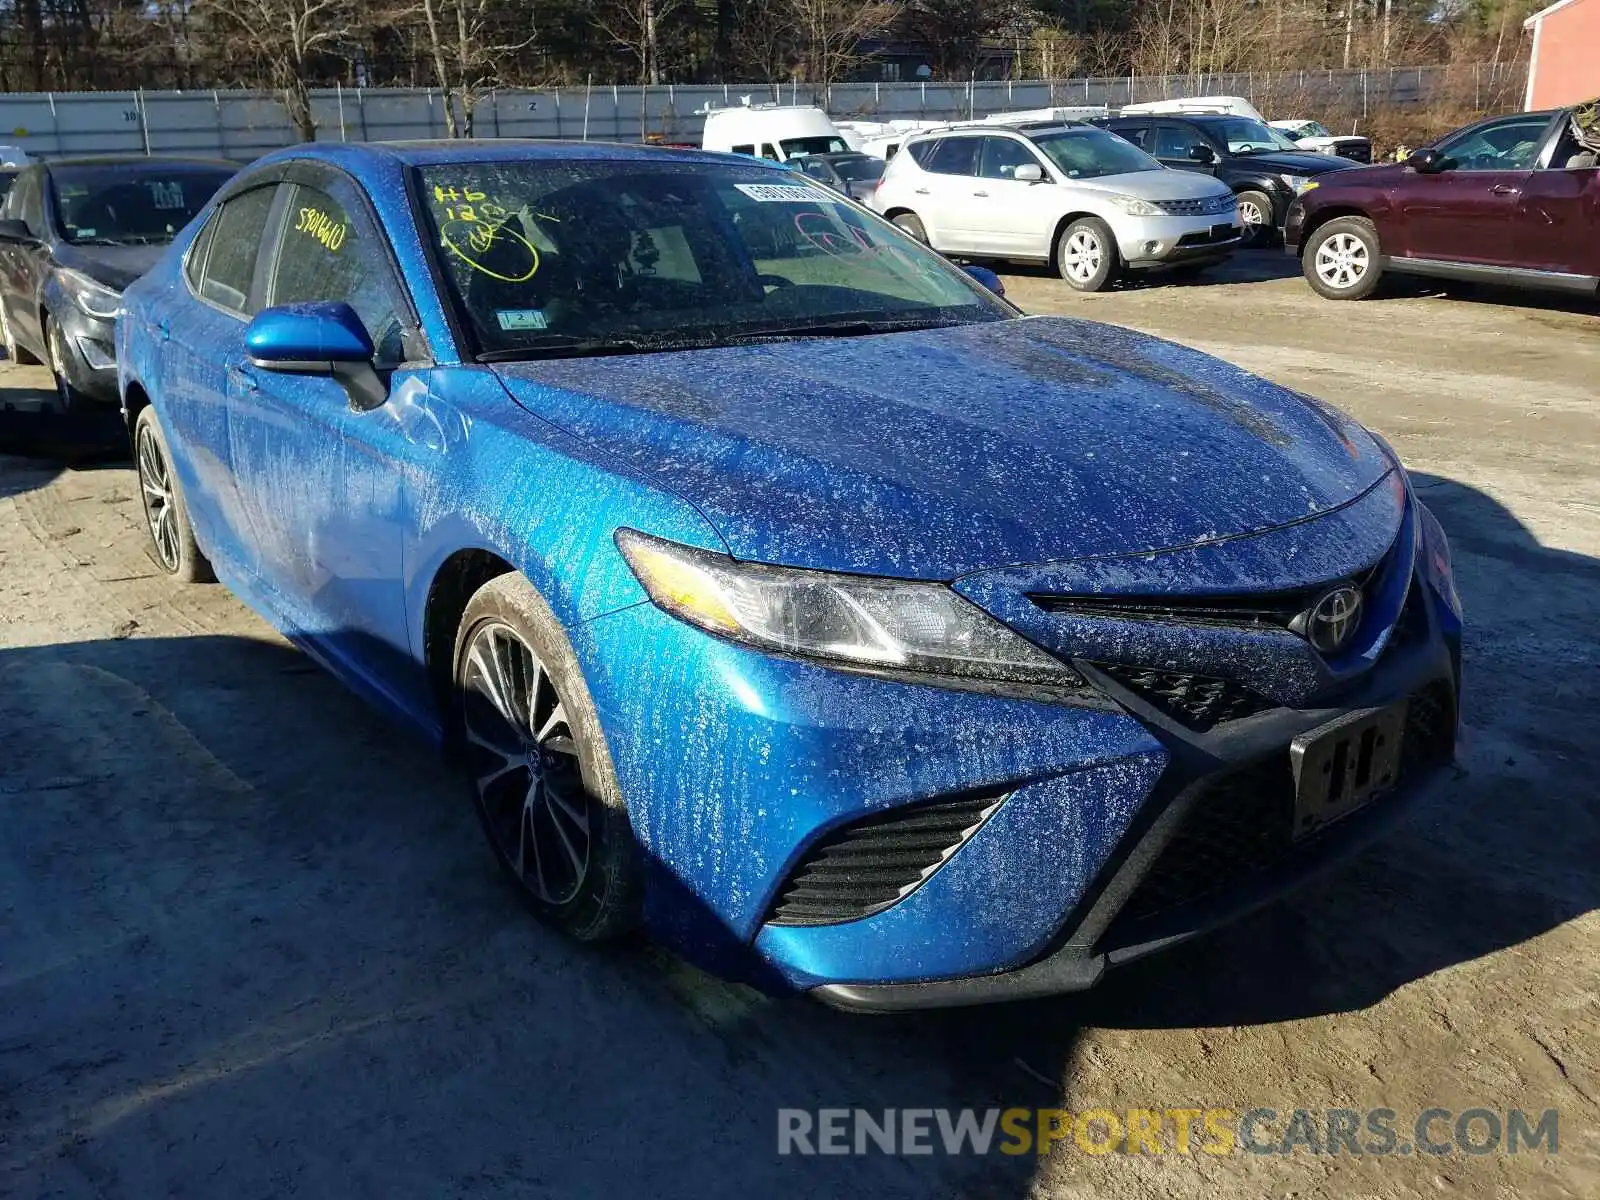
point(73, 234)
point(852, 173)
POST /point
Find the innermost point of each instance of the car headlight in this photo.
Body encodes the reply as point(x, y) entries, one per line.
point(848, 620)
point(92, 297)
point(1135, 207)
point(1296, 183)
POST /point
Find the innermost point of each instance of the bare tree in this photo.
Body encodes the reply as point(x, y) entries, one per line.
point(285, 38)
point(635, 26)
point(828, 33)
point(469, 43)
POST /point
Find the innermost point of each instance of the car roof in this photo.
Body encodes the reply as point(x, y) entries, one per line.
point(120, 160)
point(427, 152)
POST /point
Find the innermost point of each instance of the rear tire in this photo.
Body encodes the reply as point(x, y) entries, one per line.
point(543, 784)
point(1342, 259)
point(1087, 256)
point(912, 224)
point(14, 352)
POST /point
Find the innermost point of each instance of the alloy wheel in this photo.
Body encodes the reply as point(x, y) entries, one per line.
point(524, 762)
point(1251, 217)
point(1080, 257)
point(155, 484)
point(1342, 261)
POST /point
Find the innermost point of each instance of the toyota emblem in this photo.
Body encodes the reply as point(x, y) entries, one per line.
point(1330, 623)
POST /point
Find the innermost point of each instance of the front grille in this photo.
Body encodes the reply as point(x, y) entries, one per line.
point(1242, 824)
point(865, 867)
point(1260, 610)
point(1198, 207)
point(1198, 701)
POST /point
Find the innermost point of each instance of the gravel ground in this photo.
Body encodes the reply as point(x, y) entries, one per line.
point(250, 944)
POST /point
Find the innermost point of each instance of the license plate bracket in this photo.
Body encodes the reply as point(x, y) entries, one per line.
point(1344, 765)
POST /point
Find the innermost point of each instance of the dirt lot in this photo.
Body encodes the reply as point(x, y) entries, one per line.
point(250, 944)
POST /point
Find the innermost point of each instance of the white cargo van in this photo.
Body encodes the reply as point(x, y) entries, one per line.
point(776, 131)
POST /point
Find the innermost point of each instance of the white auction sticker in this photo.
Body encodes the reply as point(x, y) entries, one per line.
point(784, 193)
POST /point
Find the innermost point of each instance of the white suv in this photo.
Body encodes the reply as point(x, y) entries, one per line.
point(1069, 194)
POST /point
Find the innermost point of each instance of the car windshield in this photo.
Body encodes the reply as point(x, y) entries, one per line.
point(859, 169)
point(132, 203)
point(1245, 136)
point(547, 258)
point(819, 169)
point(1090, 153)
point(793, 147)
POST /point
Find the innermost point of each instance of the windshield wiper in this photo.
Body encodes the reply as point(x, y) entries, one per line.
point(97, 241)
point(857, 328)
point(578, 348)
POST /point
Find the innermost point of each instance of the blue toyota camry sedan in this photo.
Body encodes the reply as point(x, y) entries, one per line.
point(778, 586)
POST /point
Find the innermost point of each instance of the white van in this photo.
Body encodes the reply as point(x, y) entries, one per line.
point(1234, 106)
point(776, 131)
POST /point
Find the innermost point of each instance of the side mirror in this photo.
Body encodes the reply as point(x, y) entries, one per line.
point(17, 233)
point(1426, 161)
point(987, 277)
point(1029, 173)
point(317, 339)
point(1202, 154)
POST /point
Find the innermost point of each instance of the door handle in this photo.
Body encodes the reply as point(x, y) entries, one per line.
point(985, 195)
point(247, 378)
point(1503, 189)
point(921, 191)
point(163, 331)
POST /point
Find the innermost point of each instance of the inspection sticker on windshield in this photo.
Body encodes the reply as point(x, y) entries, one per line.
point(785, 193)
point(521, 318)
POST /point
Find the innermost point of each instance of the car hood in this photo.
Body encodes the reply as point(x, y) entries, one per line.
point(114, 266)
point(1157, 185)
point(1292, 162)
point(936, 453)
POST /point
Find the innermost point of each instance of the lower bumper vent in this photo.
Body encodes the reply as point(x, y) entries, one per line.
point(1243, 822)
point(865, 867)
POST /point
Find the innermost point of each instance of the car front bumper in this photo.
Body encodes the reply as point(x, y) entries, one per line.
point(1100, 833)
point(1166, 241)
point(87, 350)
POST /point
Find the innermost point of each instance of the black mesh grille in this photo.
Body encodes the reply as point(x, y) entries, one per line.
point(865, 867)
point(1198, 701)
point(1242, 823)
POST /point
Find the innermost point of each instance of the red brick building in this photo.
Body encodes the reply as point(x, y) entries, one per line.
point(1565, 67)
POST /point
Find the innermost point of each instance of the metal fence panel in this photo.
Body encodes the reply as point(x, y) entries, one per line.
point(242, 125)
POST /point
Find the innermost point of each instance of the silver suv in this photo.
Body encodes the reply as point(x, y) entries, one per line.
point(1068, 194)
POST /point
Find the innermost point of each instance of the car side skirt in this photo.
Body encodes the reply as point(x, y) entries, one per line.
point(1481, 273)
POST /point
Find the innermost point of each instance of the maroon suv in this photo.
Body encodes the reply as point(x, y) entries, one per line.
point(1512, 200)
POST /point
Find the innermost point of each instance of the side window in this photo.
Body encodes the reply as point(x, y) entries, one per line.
point(1139, 135)
point(1508, 145)
point(1175, 141)
point(921, 152)
point(955, 156)
point(328, 254)
point(747, 148)
point(28, 206)
point(231, 265)
point(195, 263)
point(768, 152)
point(1002, 156)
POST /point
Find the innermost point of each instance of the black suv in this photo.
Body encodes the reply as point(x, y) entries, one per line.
point(1263, 167)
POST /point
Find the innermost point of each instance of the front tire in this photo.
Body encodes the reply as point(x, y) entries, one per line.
point(1342, 260)
point(1086, 255)
point(542, 780)
point(1255, 217)
point(166, 516)
point(73, 400)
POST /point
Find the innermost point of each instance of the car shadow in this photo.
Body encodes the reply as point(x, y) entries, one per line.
point(1397, 287)
point(1261, 265)
point(237, 899)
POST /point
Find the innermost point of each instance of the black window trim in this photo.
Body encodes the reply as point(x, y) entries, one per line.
point(229, 192)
